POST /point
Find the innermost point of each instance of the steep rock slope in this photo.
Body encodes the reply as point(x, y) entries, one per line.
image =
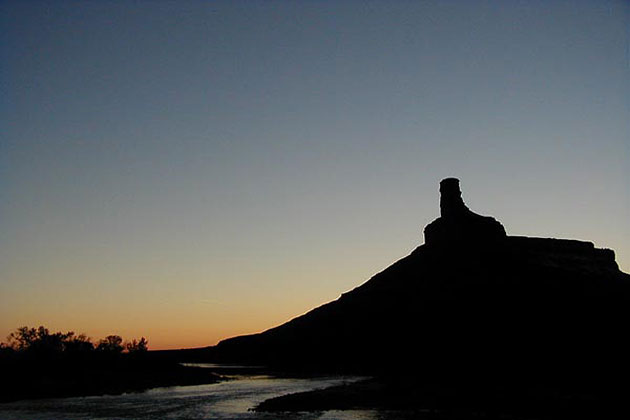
point(470, 302)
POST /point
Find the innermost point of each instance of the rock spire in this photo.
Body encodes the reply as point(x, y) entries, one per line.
point(457, 224)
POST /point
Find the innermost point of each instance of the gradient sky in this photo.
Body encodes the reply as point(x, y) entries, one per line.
point(189, 170)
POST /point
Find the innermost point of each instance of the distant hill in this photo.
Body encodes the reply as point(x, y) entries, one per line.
point(470, 302)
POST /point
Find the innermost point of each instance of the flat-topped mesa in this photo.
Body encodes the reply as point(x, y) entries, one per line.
point(457, 223)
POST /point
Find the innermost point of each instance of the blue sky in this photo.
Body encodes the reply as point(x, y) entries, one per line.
point(229, 165)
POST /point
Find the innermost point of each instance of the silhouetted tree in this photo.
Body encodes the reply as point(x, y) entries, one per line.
point(78, 344)
point(111, 344)
point(134, 346)
point(22, 338)
point(38, 340)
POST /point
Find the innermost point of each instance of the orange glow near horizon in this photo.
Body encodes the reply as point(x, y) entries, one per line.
point(168, 332)
point(178, 321)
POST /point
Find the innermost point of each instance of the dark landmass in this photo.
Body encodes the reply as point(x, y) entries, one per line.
point(440, 401)
point(473, 323)
point(33, 376)
point(472, 309)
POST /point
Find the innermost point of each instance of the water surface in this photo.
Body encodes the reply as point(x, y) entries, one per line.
point(231, 400)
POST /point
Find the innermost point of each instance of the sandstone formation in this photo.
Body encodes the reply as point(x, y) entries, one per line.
point(457, 223)
point(470, 303)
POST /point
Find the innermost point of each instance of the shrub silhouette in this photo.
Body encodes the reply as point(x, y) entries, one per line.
point(111, 344)
point(137, 347)
point(41, 364)
point(78, 343)
point(40, 341)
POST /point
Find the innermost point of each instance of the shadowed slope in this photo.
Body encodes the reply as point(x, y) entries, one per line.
point(471, 302)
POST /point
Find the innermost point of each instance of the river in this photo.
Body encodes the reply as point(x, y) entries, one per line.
point(228, 400)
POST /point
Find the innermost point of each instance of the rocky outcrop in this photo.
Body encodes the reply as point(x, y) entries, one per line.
point(457, 224)
point(470, 302)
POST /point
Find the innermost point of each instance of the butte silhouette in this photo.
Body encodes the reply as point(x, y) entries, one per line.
point(470, 303)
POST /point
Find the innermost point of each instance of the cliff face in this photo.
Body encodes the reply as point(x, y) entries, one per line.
point(470, 301)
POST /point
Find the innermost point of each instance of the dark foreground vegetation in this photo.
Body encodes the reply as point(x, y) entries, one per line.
point(38, 364)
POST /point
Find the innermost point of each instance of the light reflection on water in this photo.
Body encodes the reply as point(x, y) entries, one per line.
point(230, 400)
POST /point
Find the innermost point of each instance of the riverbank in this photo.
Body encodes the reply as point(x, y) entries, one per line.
point(91, 379)
point(230, 399)
point(438, 401)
